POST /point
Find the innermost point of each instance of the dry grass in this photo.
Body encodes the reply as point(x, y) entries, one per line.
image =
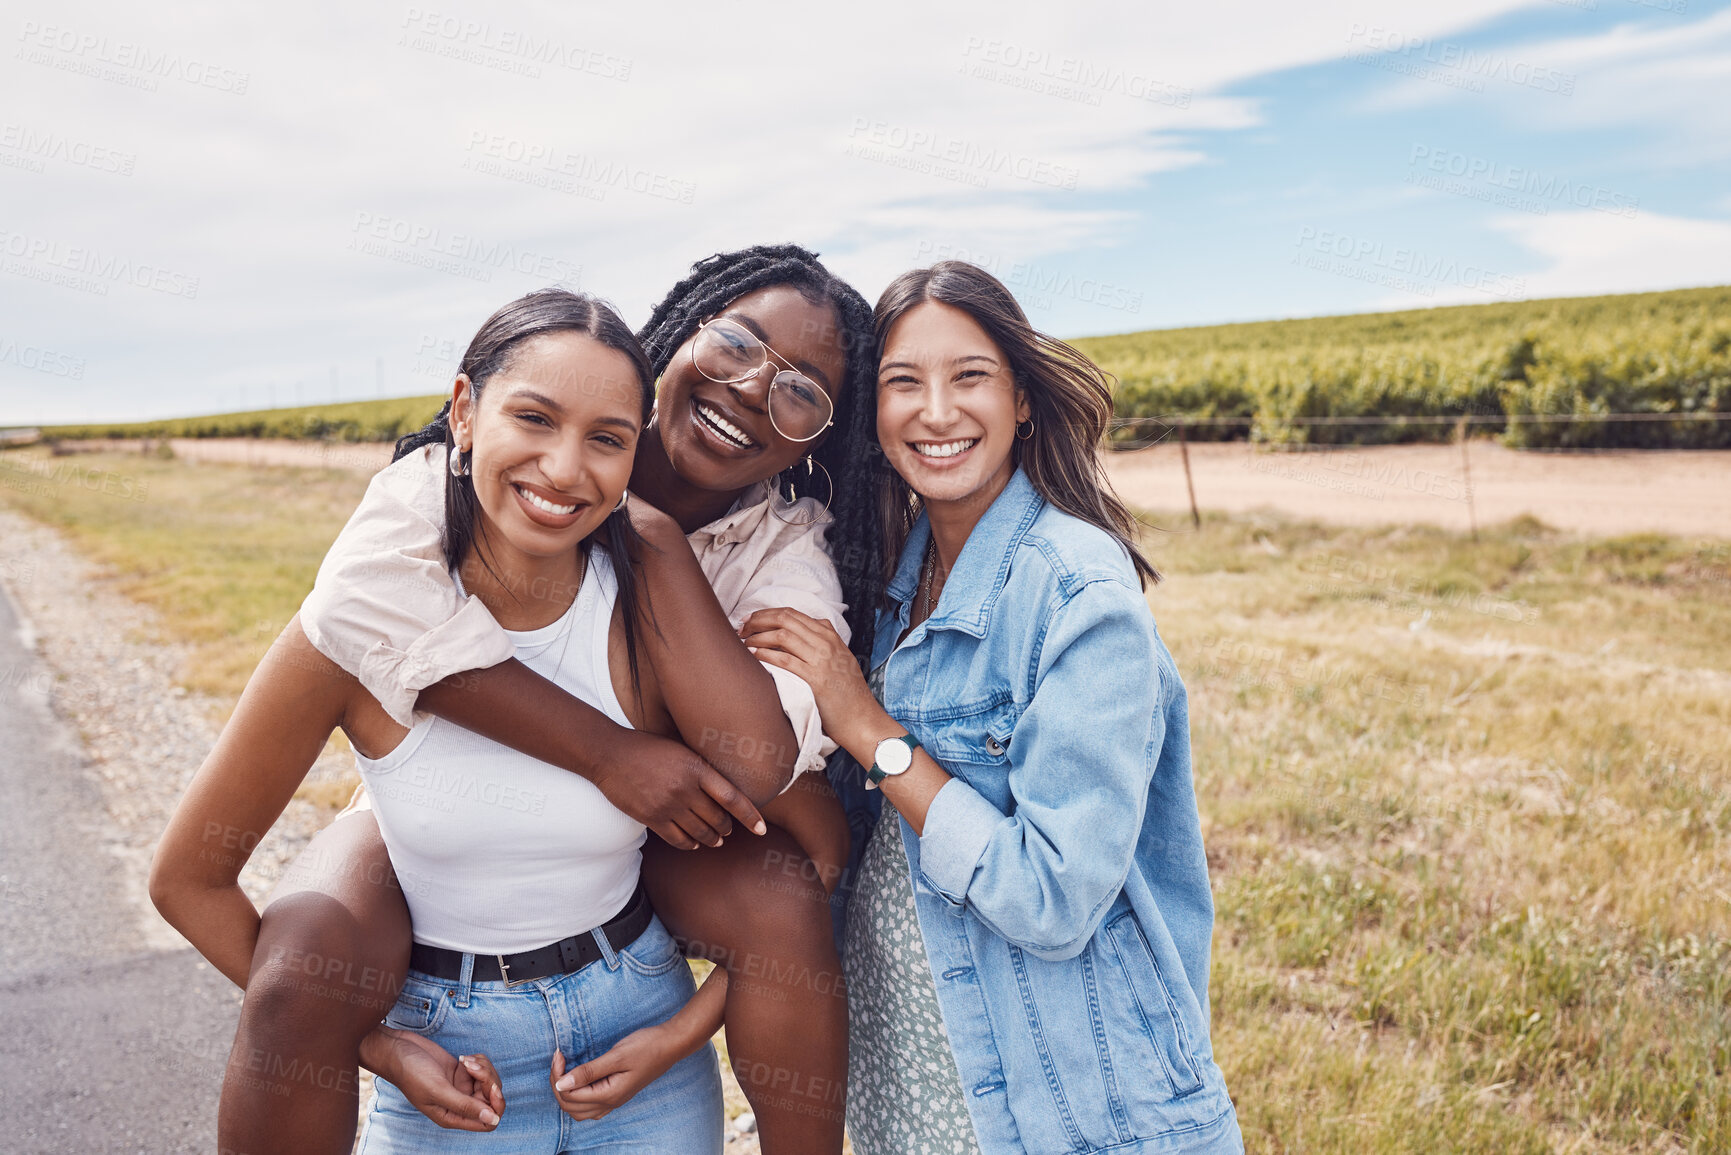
point(1468, 812)
point(1468, 804)
point(224, 553)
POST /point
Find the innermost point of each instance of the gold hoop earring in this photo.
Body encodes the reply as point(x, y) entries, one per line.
point(1020, 436)
point(810, 472)
point(624, 495)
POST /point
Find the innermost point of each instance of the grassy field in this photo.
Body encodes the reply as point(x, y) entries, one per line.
point(1468, 805)
point(384, 420)
point(225, 553)
point(1468, 808)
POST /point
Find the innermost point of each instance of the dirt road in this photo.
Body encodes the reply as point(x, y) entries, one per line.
point(1605, 493)
point(1682, 492)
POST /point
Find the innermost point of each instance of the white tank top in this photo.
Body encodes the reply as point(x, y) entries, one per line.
point(499, 852)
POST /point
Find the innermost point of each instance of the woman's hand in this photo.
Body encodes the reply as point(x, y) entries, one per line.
point(460, 1094)
point(608, 1082)
point(812, 651)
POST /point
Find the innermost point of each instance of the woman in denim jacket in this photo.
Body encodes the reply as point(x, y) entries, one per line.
point(1028, 934)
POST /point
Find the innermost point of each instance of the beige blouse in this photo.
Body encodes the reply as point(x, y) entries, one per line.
point(384, 606)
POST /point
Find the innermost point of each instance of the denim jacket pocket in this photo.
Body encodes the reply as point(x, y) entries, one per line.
point(978, 738)
point(419, 1009)
point(1143, 993)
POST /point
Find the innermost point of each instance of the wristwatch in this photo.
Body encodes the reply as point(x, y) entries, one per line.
point(893, 756)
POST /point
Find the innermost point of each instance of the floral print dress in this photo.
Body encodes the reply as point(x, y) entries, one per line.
point(904, 1092)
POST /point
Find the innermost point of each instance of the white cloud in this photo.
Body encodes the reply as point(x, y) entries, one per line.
point(867, 134)
point(1585, 253)
point(1667, 75)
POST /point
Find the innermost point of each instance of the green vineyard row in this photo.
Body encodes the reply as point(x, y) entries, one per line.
point(1560, 367)
point(1570, 361)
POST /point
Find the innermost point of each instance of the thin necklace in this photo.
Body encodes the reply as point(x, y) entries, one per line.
point(931, 569)
point(570, 616)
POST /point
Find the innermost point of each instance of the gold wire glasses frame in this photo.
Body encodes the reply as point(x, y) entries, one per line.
point(737, 339)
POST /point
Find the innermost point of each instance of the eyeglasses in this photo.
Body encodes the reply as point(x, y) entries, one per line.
point(726, 351)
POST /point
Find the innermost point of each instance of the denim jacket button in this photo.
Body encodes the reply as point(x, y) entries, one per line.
point(993, 746)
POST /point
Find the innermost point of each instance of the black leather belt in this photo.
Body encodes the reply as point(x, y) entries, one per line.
point(560, 958)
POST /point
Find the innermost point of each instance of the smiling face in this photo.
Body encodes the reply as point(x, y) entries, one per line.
point(553, 436)
point(948, 406)
point(718, 436)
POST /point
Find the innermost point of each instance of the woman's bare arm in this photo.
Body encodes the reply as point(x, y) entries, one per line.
point(723, 702)
point(386, 609)
point(291, 704)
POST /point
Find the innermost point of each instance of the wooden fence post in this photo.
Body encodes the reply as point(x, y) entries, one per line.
point(1184, 451)
point(1467, 473)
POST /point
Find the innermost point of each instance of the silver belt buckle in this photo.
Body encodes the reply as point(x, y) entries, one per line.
point(505, 974)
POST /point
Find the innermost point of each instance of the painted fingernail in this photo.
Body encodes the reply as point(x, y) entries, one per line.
point(761, 828)
point(565, 1084)
point(488, 1117)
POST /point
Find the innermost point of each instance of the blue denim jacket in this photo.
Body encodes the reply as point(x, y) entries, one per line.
point(1060, 882)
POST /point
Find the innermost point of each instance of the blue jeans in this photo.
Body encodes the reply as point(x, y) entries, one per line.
point(582, 1014)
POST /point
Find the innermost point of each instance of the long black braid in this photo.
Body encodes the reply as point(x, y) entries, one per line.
point(850, 454)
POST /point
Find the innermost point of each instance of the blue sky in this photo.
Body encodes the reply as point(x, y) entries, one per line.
point(1494, 180)
point(215, 208)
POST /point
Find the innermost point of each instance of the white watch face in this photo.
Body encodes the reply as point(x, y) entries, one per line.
point(893, 756)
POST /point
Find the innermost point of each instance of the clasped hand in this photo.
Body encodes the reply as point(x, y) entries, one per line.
point(465, 1094)
point(814, 652)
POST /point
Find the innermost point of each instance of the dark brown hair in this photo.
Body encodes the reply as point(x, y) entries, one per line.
point(1069, 398)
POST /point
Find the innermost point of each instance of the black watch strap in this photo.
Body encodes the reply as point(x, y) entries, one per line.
point(876, 775)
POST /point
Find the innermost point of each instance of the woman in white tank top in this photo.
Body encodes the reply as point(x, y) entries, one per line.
point(533, 943)
point(522, 850)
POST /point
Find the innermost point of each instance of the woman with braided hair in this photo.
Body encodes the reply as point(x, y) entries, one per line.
point(762, 359)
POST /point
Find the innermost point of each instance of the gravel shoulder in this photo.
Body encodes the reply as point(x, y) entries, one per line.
point(111, 677)
point(131, 739)
point(118, 1031)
